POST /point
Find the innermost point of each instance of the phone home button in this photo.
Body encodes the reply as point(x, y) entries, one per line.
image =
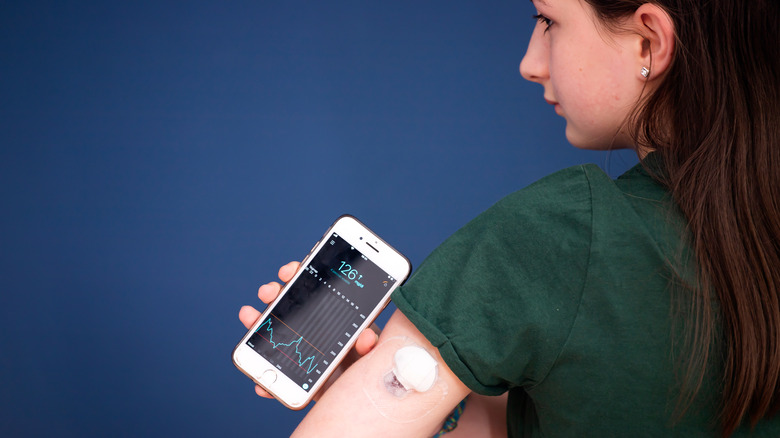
point(268, 377)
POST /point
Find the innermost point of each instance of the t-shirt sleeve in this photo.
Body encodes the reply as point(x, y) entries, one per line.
point(499, 297)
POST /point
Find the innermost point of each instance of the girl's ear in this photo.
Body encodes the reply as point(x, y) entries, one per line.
point(656, 50)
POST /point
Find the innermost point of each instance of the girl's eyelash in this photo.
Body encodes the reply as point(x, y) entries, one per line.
point(542, 19)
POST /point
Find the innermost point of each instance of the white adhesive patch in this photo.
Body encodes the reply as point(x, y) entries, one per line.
point(414, 368)
point(410, 389)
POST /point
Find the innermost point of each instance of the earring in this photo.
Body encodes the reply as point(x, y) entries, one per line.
point(645, 72)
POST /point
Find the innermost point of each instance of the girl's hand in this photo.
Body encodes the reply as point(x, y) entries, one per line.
point(268, 293)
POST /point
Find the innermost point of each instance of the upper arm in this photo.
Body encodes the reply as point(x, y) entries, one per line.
point(358, 404)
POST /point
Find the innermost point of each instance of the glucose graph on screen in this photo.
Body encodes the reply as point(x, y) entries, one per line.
point(317, 338)
point(299, 350)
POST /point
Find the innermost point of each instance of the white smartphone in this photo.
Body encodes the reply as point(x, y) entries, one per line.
point(340, 288)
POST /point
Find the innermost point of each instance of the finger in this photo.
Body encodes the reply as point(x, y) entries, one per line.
point(248, 316)
point(287, 271)
point(269, 291)
point(262, 392)
point(366, 342)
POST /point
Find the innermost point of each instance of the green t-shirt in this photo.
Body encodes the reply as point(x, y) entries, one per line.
point(560, 294)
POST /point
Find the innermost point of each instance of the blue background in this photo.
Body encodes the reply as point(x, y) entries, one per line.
point(160, 160)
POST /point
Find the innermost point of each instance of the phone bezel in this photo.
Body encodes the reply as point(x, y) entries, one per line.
point(377, 251)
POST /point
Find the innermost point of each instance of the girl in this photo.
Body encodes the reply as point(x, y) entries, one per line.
point(644, 306)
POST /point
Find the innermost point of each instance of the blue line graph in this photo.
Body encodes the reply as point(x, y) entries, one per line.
point(301, 361)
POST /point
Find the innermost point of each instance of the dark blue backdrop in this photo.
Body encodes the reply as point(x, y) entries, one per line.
point(160, 160)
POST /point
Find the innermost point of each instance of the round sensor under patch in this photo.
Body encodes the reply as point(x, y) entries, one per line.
point(410, 388)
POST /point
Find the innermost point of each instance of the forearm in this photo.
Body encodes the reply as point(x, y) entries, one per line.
point(358, 403)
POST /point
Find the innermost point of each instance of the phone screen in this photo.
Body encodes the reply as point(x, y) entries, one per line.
point(320, 312)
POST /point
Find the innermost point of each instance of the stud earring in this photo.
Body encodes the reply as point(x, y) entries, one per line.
point(645, 72)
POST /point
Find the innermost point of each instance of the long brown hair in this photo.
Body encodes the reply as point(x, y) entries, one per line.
point(715, 122)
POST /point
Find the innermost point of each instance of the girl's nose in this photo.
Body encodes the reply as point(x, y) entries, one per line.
point(534, 66)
